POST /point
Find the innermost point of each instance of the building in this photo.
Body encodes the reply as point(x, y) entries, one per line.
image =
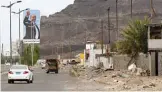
point(94, 55)
point(155, 49)
point(14, 50)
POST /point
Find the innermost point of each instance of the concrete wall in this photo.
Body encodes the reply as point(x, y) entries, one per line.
point(160, 63)
point(121, 61)
point(92, 57)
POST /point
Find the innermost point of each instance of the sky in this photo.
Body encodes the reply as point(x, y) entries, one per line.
point(46, 8)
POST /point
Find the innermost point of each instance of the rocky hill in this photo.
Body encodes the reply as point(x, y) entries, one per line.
point(82, 21)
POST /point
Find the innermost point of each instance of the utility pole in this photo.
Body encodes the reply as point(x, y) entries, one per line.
point(51, 42)
point(108, 11)
point(19, 39)
point(2, 48)
point(131, 8)
point(117, 19)
point(85, 37)
point(62, 42)
point(70, 49)
point(10, 38)
point(152, 9)
point(102, 35)
point(0, 41)
point(108, 47)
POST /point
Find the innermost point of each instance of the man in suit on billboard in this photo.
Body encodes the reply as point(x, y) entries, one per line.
point(31, 26)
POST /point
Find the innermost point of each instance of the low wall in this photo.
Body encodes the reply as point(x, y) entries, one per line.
point(121, 61)
point(160, 63)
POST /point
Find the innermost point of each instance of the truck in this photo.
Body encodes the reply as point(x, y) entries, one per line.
point(52, 65)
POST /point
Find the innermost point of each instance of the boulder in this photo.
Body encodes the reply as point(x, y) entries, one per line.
point(131, 67)
point(139, 71)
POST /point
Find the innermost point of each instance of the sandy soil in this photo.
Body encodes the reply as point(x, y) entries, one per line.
point(116, 80)
point(125, 81)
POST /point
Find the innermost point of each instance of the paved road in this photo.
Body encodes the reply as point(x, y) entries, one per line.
point(47, 82)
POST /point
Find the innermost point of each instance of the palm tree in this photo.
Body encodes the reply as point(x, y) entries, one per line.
point(134, 39)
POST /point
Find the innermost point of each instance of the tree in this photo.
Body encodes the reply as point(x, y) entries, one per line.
point(134, 39)
point(27, 58)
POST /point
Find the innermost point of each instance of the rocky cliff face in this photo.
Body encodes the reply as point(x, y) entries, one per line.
point(81, 21)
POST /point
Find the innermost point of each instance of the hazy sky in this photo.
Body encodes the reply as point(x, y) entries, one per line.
point(46, 7)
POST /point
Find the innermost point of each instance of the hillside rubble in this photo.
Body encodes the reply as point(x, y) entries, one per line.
point(117, 80)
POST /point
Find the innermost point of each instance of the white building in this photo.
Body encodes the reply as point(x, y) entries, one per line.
point(14, 50)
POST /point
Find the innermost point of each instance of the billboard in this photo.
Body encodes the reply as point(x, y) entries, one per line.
point(31, 23)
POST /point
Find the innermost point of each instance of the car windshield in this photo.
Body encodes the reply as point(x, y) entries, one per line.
point(19, 67)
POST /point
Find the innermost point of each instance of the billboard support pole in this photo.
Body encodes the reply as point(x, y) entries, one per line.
point(19, 38)
point(33, 43)
point(30, 37)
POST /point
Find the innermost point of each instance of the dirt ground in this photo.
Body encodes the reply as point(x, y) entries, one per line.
point(129, 82)
point(120, 80)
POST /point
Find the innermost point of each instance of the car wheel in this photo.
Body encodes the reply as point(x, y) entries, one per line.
point(9, 81)
point(31, 80)
point(56, 71)
point(12, 81)
point(47, 72)
point(28, 81)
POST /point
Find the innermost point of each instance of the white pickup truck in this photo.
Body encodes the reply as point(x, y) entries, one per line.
point(42, 63)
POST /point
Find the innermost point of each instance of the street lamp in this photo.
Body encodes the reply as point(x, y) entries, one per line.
point(9, 6)
point(20, 11)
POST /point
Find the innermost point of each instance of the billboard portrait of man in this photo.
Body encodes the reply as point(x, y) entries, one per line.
point(31, 25)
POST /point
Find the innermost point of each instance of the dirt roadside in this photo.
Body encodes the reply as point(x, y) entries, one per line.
point(118, 80)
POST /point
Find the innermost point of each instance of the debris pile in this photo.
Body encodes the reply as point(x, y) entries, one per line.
point(85, 72)
point(138, 71)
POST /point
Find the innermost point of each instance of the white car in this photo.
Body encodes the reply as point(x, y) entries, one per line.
point(20, 73)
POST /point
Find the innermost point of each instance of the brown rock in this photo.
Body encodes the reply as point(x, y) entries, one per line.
point(126, 87)
point(116, 81)
point(145, 86)
point(152, 85)
point(113, 76)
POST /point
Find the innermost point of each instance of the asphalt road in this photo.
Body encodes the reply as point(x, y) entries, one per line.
point(46, 82)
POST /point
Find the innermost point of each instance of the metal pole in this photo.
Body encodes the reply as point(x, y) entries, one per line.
point(19, 39)
point(109, 48)
point(62, 43)
point(117, 19)
point(33, 43)
point(131, 8)
point(0, 40)
point(10, 38)
point(109, 24)
point(102, 35)
point(32, 55)
point(51, 42)
point(2, 49)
